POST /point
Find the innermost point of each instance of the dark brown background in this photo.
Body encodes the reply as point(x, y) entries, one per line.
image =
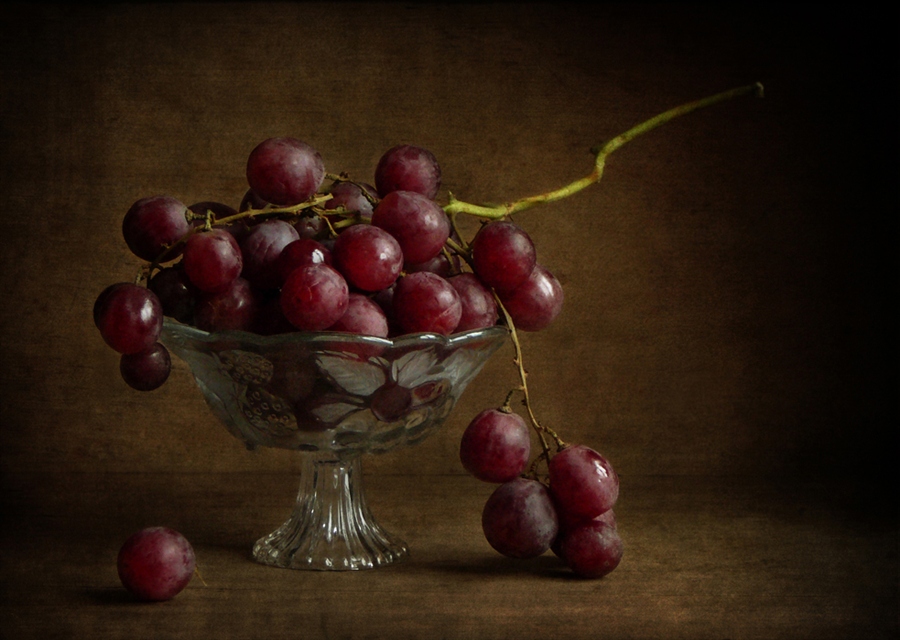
point(728, 338)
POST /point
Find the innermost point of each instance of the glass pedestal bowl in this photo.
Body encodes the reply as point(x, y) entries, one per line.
point(332, 397)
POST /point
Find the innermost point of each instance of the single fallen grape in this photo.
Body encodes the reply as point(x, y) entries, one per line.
point(156, 563)
point(284, 171)
point(146, 370)
point(519, 519)
point(503, 255)
point(583, 483)
point(129, 317)
point(407, 167)
point(496, 446)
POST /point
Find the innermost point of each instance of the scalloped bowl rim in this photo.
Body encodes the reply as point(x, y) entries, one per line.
point(333, 337)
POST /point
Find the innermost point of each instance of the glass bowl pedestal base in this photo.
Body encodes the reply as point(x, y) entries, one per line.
point(333, 398)
point(331, 527)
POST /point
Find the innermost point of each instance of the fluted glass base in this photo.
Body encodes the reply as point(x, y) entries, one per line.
point(331, 527)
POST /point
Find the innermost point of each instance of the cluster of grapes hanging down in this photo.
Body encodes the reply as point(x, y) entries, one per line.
point(307, 250)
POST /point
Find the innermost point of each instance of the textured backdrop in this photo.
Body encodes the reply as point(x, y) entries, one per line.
point(726, 283)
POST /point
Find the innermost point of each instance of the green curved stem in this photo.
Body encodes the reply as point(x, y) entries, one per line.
point(602, 152)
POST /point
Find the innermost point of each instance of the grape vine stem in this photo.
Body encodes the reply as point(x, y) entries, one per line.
point(210, 221)
point(500, 211)
point(601, 152)
point(541, 430)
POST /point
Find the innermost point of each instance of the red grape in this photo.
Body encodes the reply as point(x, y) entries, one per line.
point(420, 226)
point(314, 297)
point(385, 300)
point(407, 167)
point(592, 549)
point(100, 302)
point(176, 292)
point(251, 201)
point(479, 309)
point(426, 302)
point(129, 317)
point(440, 264)
point(390, 402)
point(218, 209)
point(496, 446)
point(503, 254)
point(285, 171)
point(350, 196)
point(212, 260)
point(519, 520)
point(153, 224)
point(300, 252)
point(368, 257)
point(260, 251)
point(311, 227)
point(156, 563)
point(146, 370)
point(535, 303)
point(567, 522)
point(238, 228)
point(583, 483)
point(232, 309)
point(362, 317)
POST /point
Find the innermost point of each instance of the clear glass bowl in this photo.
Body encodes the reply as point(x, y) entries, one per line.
point(332, 397)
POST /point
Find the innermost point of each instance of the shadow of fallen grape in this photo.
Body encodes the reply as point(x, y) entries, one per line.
point(113, 596)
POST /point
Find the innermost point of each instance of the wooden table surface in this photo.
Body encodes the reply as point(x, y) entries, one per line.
point(705, 558)
point(728, 338)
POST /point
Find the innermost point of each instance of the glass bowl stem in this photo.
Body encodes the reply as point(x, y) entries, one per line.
point(331, 527)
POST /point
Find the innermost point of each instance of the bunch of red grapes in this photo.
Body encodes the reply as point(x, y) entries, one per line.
point(524, 517)
point(310, 251)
